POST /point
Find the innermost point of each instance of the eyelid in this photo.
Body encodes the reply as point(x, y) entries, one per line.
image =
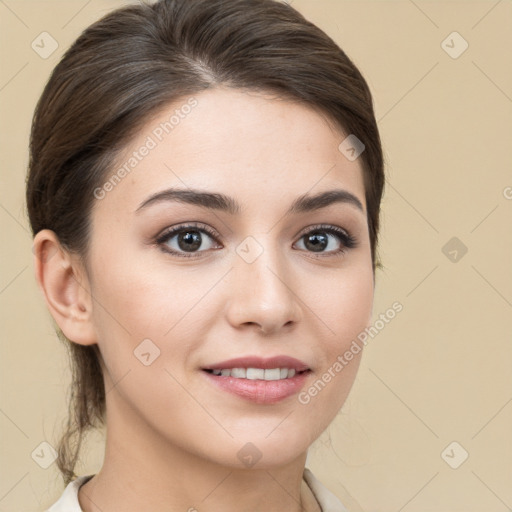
point(187, 225)
point(326, 227)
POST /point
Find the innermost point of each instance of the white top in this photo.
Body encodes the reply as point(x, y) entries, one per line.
point(328, 502)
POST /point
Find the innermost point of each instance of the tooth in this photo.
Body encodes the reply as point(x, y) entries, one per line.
point(239, 373)
point(255, 373)
point(272, 374)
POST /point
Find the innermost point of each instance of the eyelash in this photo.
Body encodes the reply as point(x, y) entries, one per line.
point(346, 239)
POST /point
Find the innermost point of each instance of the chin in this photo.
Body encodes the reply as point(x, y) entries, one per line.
point(263, 451)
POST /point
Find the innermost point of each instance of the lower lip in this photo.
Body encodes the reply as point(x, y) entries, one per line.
point(260, 391)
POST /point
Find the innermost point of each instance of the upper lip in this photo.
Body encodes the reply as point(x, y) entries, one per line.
point(281, 361)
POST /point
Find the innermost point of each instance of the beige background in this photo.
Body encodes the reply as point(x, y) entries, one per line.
point(441, 371)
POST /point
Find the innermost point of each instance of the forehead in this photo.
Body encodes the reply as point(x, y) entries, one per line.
point(255, 146)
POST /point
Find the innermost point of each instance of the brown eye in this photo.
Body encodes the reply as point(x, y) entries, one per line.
point(181, 240)
point(189, 240)
point(327, 239)
point(316, 242)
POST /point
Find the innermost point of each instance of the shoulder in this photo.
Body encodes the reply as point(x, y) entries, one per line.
point(68, 502)
point(327, 500)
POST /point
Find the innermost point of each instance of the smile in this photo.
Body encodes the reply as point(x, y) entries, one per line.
point(256, 373)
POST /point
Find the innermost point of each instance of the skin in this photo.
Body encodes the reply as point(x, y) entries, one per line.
point(173, 437)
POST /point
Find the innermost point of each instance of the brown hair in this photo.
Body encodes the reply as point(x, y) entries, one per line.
point(126, 67)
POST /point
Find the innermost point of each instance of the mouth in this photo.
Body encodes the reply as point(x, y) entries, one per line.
point(263, 381)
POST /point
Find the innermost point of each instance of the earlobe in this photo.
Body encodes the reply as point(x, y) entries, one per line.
point(65, 287)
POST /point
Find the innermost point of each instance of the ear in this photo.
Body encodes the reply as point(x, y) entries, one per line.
point(66, 289)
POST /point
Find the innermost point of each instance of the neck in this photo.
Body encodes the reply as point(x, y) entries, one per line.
point(143, 471)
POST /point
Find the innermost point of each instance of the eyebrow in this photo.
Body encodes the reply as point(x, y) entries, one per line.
point(217, 201)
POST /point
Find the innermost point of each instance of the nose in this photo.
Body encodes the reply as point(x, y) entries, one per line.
point(262, 295)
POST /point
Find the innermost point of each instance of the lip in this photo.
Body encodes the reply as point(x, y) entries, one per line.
point(280, 361)
point(259, 391)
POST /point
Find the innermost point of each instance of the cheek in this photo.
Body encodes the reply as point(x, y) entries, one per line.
point(345, 308)
point(343, 305)
point(141, 309)
point(142, 326)
point(138, 295)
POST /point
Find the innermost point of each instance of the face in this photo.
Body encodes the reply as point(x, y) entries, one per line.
point(184, 282)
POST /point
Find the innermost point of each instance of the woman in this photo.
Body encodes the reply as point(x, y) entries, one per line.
point(204, 188)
